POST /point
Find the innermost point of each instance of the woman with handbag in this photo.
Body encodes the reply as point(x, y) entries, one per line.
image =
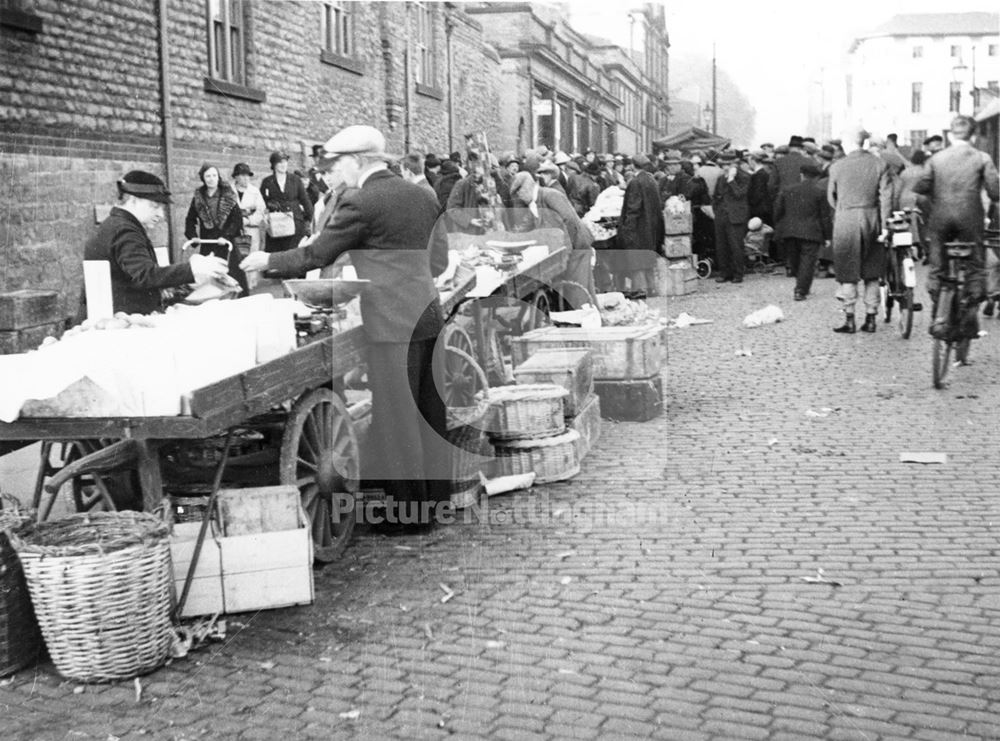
point(215, 213)
point(253, 209)
point(285, 197)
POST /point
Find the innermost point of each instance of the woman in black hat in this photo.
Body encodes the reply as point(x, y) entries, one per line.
point(215, 213)
point(283, 192)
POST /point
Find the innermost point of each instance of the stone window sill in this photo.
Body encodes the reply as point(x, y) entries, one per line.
point(232, 90)
point(430, 92)
point(344, 63)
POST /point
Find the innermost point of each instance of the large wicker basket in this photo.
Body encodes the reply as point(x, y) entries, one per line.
point(100, 584)
point(527, 411)
point(551, 458)
point(20, 640)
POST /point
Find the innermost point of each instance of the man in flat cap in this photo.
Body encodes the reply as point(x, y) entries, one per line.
point(804, 217)
point(385, 223)
point(860, 192)
point(787, 174)
point(122, 240)
point(933, 144)
point(955, 179)
point(732, 211)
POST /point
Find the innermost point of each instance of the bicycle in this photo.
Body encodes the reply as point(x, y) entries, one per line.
point(954, 322)
point(900, 272)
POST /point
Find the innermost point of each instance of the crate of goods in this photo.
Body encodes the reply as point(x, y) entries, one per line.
point(20, 639)
point(627, 352)
point(529, 411)
point(257, 556)
point(677, 246)
point(573, 369)
point(675, 277)
point(631, 401)
point(677, 218)
point(27, 317)
point(100, 586)
point(588, 424)
point(549, 458)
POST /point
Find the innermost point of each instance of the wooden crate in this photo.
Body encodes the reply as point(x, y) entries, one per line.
point(264, 509)
point(675, 277)
point(631, 401)
point(573, 369)
point(677, 223)
point(588, 424)
point(241, 573)
point(14, 341)
point(618, 352)
point(677, 246)
point(28, 308)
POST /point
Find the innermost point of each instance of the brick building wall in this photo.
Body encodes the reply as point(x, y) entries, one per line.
point(81, 104)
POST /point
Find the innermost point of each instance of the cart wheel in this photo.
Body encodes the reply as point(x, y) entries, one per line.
point(91, 492)
point(457, 338)
point(319, 455)
point(538, 311)
point(463, 379)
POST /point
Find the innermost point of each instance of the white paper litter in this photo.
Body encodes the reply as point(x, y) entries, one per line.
point(770, 314)
point(686, 320)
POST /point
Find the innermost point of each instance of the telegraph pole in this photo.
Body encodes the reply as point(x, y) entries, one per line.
point(715, 107)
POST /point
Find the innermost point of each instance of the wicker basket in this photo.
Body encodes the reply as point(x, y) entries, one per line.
point(528, 411)
point(550, 458)
point(100, 584)
point(20, 639)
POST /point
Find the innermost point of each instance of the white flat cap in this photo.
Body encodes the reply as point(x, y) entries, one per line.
point(358, 139)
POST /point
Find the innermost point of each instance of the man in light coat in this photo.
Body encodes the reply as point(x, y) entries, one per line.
point(860, 192)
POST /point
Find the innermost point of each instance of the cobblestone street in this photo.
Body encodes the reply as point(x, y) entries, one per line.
point(756, 563)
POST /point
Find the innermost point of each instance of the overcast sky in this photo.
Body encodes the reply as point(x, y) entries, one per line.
point(773, 49)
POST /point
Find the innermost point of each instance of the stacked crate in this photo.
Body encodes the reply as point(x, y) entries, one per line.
point(26, 318)
point(675, 273)
point(627, 362)
point(573, 369)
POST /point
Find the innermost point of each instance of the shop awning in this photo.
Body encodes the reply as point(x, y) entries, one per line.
point(691, 138)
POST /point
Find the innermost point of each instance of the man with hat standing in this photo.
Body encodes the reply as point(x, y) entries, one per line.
point(675, 182)
point(803, 215)
point(317, 187)
point(787, 175)
point(640, 231)
point(122, 240)
point(732, 210)
point(860, 192)
point(385, 223)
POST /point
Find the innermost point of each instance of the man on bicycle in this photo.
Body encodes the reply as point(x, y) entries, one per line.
point(955, 179)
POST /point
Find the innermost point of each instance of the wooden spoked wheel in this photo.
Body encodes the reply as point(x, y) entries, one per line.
point(538, 313)
point(460, 382)
point(319, 455)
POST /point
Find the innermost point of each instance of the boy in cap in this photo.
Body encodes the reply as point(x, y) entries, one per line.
point(122, 240)
point(386, 223)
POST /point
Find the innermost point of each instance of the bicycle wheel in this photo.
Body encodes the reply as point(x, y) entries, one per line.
point(941, 356)
point(905, 304)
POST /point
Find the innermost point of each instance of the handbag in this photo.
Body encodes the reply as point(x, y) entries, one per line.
point(280, 224)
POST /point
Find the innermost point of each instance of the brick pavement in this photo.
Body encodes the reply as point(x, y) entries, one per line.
point(660, 593)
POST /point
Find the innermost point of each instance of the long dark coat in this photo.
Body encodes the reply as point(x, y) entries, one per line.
point(860, 192)
point(640, 230)
point(293, 198)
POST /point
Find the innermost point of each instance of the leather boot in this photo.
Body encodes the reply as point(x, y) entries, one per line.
point(869, 325)
point(848, 326)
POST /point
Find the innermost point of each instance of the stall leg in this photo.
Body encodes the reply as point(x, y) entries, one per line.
point(150, 475)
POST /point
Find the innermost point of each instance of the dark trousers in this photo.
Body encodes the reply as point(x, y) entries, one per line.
point(801, 255)
point(975, 278)
point(408, 424)
point(729, 247)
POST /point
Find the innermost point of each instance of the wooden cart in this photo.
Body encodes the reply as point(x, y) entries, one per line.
point(297, 396)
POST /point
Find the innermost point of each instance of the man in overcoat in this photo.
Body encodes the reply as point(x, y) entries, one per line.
point(386, 224)
point(955, 179)
point(732, 210)
point(640, 228)
point(804, 224)
point(787, 174)
point(860, 192)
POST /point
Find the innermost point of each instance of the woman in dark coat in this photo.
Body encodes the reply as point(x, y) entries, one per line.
point(284, 191)
point(215, 212)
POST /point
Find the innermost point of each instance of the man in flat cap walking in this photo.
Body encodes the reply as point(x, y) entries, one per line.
point(860, 192)
point(385, 223)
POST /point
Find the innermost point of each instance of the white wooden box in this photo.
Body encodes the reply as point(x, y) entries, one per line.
point(619, 353)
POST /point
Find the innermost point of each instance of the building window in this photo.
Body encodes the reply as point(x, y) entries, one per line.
point(917, 137)
point(954, 97)
point(993, 50)
point(916, 93)
point(918, 51)
point(956, 51)
point(426, 67)
point(337, 28)
point(226, 56)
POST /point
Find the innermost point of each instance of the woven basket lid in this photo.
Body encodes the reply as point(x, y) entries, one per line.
point(90, 533)
point(527, 392)
point(540, 442)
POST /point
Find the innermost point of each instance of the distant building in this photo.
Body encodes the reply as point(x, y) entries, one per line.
point(914, 73)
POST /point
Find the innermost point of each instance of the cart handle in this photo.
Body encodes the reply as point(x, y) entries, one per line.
point(199, 242)
point(117, 456)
